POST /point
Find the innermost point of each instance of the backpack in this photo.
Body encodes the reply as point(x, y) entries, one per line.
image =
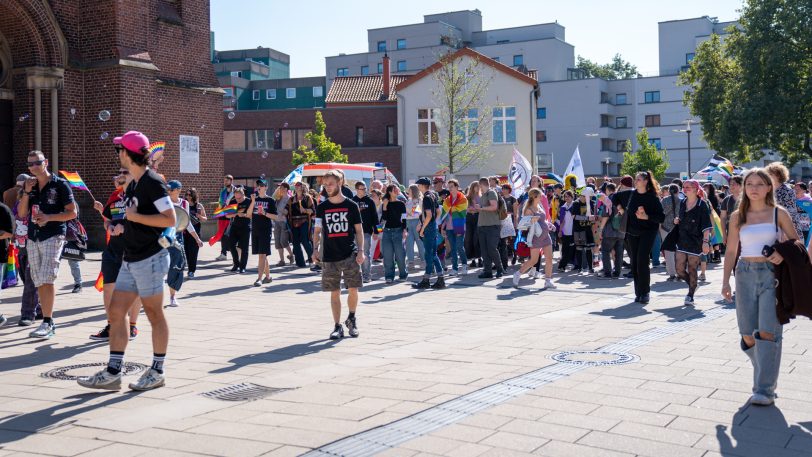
point(501, 208)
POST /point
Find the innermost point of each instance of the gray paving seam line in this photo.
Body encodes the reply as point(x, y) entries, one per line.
point(384, 437)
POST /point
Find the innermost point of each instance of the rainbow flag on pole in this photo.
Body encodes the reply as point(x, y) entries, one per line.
point(225, 211)
point(10, 268)
point(74, 180)
point(156, 149)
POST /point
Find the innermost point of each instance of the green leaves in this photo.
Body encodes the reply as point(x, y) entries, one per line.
point(618, 69)
point(322, 147)
point(647, 158)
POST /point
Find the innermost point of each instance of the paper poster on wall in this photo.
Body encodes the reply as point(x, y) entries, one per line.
point(189, 154)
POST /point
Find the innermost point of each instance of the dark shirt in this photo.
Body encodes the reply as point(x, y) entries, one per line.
point(369, 213)
point(692, 225)
point(261, 220)
point(150, 197)
point(114, 212)
point(7, 226)
point(51, 199)
point(394, 215)
point(581, 221)
point(337, 221)
point(242, 208)
point(429, 204)
point(631, 200)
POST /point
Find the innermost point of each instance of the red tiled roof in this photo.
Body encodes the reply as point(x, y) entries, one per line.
point(363, 89)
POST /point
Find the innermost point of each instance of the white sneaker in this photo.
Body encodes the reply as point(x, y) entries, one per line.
point(149, 380)
point(464, 269)
point(453, 273)
point(173, 302)
point(516, 277)
point(761, 400)
point(538, 275)
point(689, 300)
point(44, 331)
point(548, 284)
point(221, 257)
point(532, 273)
point(101, 380)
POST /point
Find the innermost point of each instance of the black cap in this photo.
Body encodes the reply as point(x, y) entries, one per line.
point(423, 181)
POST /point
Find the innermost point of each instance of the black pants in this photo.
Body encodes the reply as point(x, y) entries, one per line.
point(471, 239)
point(639, 256)
point(191, 248)
point(240, 237)
point(567, 251)
point(503, 252)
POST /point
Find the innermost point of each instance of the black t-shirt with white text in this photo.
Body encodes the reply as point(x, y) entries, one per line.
point(150, 197)
point(114, 212)
point(268, 206)
point(337, 222)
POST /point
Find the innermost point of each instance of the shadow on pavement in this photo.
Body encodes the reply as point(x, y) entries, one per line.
point(624, 312)
point(767, 419)
point(277, 355)
point(46, 354)
point(681, 313)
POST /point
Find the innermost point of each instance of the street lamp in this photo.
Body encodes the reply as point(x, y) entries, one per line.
point(606, 160)
point(687, 130)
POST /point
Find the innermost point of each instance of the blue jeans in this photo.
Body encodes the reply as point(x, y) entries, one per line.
point(433, 264)
point(457, 243)
point(412, 239)
point(393, 252)
point(755, 312)
point(655, 250)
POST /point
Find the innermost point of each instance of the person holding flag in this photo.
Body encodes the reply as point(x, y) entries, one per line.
point(226, 194)
point(48, 203)
point(6, 233)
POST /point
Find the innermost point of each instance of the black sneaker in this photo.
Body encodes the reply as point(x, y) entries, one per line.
point(615, 274)
point(629, 275)
point(473, 264)
point(76, 288)
point(315, 268)
point(605, 276)
point(499, 274)
point(644, 299)
point(103, 335)
point(479, 263)
point(338, 332)
point(352, 328)
point(235, 269)
point(485, 276)
point(440, 284)
point(423, 284)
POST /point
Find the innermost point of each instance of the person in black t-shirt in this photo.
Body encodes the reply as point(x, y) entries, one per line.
point(369, 221)
point(340, 220)
point(239, 230)
point(429, 233)
point(148, 216)
point(264, 212)
point(394, 232)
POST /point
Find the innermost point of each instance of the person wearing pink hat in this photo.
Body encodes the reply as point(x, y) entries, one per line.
point(144, 267)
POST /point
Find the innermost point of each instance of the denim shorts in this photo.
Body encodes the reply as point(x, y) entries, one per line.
point(755, 298)
point(145, 277)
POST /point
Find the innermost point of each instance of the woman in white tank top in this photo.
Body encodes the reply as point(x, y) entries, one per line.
point(758, 224)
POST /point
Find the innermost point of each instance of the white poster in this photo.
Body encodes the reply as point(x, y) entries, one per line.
point(189, 154)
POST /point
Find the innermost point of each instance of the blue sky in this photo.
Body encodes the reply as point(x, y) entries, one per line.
point(309, 30)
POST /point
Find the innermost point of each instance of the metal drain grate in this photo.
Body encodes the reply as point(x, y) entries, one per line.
point(620, 358)
point(388, 436)
point(61, 373)
point(245, 391)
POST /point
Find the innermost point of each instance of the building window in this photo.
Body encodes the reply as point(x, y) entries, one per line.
point(688, 58)
point(401, 43)
point(401, 65)
point(621, 146)
point(541, 113)
point(604, 120)
point(620, 99)
point(359, 136)
point(365, 70)
point(382, 46)
point(620, 122)
point(260, 139)
point(342, 72)
point(270, 94)
point(290, 92)
point(466, 128)
point(504, 124)
point(427, 126)
point(390, 135)
point(606, 144)
point(518, 59)
point(238, 74)
point(653, 120)
point(652, 97)
point(656, 142)
point(541, 136)
point(255, 94)
point(380, 68)
point(318, 91)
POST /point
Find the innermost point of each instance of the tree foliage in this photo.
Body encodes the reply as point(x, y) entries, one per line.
point(617, 69)
point(646, 158)
point(463, 122)
point(754, 90)
point(322, 148)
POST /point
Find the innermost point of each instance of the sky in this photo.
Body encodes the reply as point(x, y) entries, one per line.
point(310, 30)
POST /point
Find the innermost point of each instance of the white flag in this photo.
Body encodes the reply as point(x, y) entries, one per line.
point(520, 173)
point(294, 176)
point(576, 167)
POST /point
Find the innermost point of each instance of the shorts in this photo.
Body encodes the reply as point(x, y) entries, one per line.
point(281, 235)
point(43, 259)
point(333, 272)
point(111, 265)
point(145, 277)
point(261, 240)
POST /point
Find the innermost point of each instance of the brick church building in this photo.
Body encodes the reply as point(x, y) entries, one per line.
point(76, 73)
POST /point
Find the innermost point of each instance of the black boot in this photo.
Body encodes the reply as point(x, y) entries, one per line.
point(440, 284)
point(423, 284)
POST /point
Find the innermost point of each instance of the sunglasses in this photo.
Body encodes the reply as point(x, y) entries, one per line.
point(35, 163)
point(123, 172)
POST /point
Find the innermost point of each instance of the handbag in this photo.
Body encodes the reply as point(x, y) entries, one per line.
point(522, 249)
point(74, 251)
point(624, 220)
point(76, 241)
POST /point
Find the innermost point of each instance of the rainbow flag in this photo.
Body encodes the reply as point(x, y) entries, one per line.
point(10, 269)
point(74, 180)
point(456, 211)
point(99, 285)
point(156, 149)
point(716, 235)
point(379, 228)
point(225, 211)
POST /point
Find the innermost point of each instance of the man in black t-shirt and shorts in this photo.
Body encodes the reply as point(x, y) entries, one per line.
point(343, 251)
point(149, 211)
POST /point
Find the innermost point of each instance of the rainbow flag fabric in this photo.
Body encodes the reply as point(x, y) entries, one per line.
point(457, 211)
point(99, 285)
point(10, 268)
point(225, 211)
point(74, 180)
point(156, 149)
point(716, 235)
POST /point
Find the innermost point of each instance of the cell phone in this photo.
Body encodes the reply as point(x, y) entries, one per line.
point(767, 251)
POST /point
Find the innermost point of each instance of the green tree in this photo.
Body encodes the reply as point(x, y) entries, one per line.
point(646, 158)
point(322, 148)
point(754, 90)
point(618, 69)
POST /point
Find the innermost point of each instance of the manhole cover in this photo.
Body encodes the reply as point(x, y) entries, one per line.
point(245, 391)
point(594, 358)
point(88, 369)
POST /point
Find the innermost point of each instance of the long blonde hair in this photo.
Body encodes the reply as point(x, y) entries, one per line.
point(744, 203)
point(533, 196)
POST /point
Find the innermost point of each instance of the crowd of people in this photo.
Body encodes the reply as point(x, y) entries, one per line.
point(439, 225)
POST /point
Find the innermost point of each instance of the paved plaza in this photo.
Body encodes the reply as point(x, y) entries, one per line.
point(473, 370)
